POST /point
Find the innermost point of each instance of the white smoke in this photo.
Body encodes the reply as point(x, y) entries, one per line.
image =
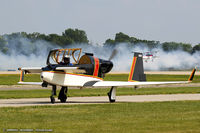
point(22, 55)
point(13, 62)
point(176, 60)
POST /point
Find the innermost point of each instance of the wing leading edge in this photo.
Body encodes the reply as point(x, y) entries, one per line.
point(136, 83)
point(121, 83)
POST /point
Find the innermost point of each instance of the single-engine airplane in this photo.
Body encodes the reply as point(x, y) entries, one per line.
point(87, 71)
point(150, 56)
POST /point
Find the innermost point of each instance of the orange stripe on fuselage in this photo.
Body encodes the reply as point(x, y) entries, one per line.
point(96, 67)
point(132, 69)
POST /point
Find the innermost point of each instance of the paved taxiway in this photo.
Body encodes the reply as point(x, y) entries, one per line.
point(98, 100)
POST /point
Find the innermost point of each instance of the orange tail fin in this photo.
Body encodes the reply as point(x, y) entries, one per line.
point(137, 69)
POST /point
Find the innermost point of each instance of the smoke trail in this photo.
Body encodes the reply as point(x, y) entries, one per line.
point(30, 53)
point(23, 52)
point(174, 60)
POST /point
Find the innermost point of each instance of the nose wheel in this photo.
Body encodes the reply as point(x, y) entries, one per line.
point(53, 93)
point(52, 99)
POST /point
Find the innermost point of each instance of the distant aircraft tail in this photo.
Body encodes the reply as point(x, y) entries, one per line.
point(137, 69)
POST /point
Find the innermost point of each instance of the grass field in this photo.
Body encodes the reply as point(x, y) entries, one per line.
point(151, 117)
point(13, 79)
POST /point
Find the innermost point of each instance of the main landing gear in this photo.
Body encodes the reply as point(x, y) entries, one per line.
point(112, 94)
point(62, 94)
point(63, 97)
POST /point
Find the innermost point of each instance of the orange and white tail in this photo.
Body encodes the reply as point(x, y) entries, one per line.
point(137, 69)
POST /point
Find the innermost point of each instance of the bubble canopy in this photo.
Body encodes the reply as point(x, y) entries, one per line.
point(57, 55)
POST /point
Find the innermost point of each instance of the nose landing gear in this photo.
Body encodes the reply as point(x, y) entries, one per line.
point(53, 93)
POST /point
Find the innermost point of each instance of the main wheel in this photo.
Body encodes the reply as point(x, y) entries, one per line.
point(62, 95)
point(63, 99)
point(52, 99)
point(109, 96)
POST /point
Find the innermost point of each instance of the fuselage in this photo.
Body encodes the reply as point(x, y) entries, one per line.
point(67, 79)
point(94, 70)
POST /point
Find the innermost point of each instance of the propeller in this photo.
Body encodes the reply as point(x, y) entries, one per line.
point(114, 53)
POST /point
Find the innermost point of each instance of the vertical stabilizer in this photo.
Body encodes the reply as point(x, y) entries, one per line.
point(137, 69)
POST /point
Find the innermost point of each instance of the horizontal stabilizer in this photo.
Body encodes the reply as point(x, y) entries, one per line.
point(31, 69)
point(30, 83)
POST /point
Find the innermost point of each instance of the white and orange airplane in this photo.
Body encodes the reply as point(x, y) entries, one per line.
point(87, 71)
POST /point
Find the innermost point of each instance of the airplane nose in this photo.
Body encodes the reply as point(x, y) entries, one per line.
point(41, 76)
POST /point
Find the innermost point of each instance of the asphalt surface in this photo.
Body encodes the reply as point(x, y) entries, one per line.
point(97, 100)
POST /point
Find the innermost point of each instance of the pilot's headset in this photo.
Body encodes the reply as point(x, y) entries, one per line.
point(67, 59)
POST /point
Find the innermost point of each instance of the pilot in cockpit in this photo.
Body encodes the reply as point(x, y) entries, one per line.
point(66, 61)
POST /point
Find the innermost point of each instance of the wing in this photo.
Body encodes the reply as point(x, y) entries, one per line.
point(71, 69)
point(25, 70)
point(120, 84)
point(136, 83)
point(31, 69)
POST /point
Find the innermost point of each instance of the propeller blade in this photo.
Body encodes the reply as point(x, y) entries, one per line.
point(114, 52)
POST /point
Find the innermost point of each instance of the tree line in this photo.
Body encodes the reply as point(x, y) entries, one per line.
point(166, 46)
point(15, 41)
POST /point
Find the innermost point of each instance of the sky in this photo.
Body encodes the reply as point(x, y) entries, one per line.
point(160, 20)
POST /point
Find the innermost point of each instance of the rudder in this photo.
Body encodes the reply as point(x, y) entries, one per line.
point(137, 69)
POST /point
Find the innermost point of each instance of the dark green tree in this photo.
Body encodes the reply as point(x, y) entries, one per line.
point(172, 46)
point(121, 37)
point(3, 47)
point(78, 36)
point(196, 48)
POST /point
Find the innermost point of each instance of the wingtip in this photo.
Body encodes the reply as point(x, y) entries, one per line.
point(192, 75)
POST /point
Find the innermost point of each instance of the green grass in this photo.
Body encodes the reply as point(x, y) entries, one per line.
point(13, 79)
point(152, 117)
point(39, 93)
